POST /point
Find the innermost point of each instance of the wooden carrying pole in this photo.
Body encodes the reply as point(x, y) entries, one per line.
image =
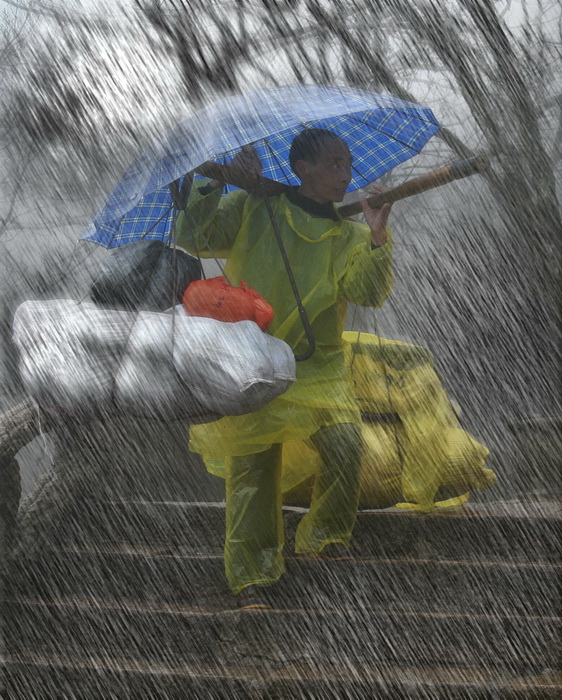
point(240, 178)
point(435, 178)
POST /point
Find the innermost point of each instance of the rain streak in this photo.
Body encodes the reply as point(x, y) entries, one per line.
point(280, 349)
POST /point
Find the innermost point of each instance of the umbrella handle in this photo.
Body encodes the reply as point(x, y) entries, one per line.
point(309, 335)
point(302, 311)
point(180, 195)
point(435, 178)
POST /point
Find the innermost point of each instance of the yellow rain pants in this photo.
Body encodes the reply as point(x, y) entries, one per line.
point(332, 263)
point(254, 520)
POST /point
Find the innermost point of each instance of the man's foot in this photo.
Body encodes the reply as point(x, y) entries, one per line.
point(254, 598)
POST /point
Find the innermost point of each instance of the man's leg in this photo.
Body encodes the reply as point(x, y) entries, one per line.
point(254, 520)
point(335, 497)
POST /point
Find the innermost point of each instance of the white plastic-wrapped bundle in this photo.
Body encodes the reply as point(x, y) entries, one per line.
point(146, 382)
point(79, 358)
point(69, 353)
point(231, 366)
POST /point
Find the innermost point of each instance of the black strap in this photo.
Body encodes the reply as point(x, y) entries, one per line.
point(181, 194)
point(300, 307)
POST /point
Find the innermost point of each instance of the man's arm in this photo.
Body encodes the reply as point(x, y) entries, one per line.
point(210, 222)
point(368, 278)
point(377, 219)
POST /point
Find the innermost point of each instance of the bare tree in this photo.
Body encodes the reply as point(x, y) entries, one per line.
point(212, 41)
point(15, 26)
point(98, 91)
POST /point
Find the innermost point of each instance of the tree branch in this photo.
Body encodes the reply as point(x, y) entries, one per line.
point(32, 9)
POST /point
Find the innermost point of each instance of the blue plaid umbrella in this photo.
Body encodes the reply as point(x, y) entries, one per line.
point(380, 130)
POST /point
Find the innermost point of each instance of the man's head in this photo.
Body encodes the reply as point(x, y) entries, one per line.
point(322, 162)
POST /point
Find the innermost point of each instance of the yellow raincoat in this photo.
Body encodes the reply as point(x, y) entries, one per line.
point(333, 263)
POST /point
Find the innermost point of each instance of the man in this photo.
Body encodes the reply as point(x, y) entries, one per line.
point(334, 261)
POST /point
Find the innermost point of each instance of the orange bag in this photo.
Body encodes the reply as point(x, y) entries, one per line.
point(215, 298)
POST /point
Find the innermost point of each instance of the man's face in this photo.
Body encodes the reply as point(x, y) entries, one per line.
point(328, 177)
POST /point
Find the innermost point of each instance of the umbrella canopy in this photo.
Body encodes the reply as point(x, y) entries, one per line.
point(380, 130)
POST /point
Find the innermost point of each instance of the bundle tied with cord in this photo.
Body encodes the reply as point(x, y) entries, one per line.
point(415, 455)
point(82, 360)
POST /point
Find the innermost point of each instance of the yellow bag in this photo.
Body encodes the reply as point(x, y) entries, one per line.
point(408, 462)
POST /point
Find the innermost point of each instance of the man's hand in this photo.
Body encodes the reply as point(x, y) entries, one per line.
point(377, 218)
point(247, 160)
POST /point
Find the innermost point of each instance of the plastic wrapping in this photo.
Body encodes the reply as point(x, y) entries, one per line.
point(216, 298)
point(78, 358)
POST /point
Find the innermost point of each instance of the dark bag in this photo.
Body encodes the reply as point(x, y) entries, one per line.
point(144, 276)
